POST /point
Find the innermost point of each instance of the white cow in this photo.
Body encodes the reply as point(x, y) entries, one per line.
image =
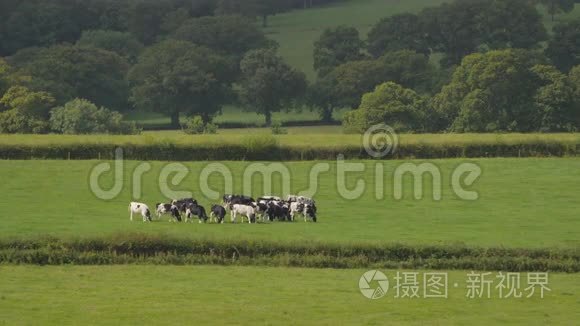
point(296, 208)
point(243, 210)
point(140, 208)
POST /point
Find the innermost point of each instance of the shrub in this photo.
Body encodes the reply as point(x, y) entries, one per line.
point(277, 129)
point(195, 126)
point(80, 116)
point(14, 121)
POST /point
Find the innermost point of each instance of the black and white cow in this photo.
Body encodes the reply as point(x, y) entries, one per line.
point(183, 203)
point(162, 209)
point(217, 213)
point(296, 208)
point(175, 213)
point(196, 210)
point(260, 209)
point(310, 212)
point(229, 200)
point(278, 210)
point(140, 208)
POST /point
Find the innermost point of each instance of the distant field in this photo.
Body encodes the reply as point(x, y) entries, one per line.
point(250, 295)
point(523, 203)
point(297, 30)
point(234, 115)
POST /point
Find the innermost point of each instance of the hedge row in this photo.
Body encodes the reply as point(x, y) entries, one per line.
point(149, 249)
point(233, 152)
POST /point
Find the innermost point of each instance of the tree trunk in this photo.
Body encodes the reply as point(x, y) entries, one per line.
point(205, 118)
point(327, 114)
point(268, 116)
point(175, 119)
point(264, 20)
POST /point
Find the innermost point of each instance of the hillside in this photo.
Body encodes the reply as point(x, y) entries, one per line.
point(297, 30)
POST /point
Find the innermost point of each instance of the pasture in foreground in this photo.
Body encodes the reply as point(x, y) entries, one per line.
point(522, 203)
point(249, 295)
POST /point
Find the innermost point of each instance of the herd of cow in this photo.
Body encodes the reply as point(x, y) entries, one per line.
point(266, 208)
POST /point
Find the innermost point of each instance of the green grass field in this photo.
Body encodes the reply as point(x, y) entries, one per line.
point(296, 31)
point(522, 203)
point(234, 115)
point(322, 136)
point(153, 295)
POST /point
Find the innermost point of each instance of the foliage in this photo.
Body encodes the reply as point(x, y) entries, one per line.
point(397, 32)
point(177, 76)
point(557, 6)
point(122, 43)
point(229, 35)
point(564, 48)
point(491, 92)
point(68, 72)
point(195, 126)
point(268, 82)
point(336, 46)
point(463, 27)
point(277, 129)
point(390, 104)
point(554, 100)
point(26, 111)
point(80, 116)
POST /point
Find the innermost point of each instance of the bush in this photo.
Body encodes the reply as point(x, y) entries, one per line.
point(277, 129)
point(14, 121)
point(83, 117)
point(195, 126)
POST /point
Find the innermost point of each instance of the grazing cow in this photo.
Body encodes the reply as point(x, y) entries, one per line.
point(175, 213)
point(243, 210)
point(217, 213)
point(309, 212)
point(296, 208)
point(269, 198)
point(183, 203)
point(260, 208)
point(140, 208)
point(162, 209)
point(196, 210)
point(237, 199)
point(300, 199)
point(278, 210)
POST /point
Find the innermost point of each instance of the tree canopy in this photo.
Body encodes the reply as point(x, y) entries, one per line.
point(178, 76)
point(336, 46)
point(268, 82)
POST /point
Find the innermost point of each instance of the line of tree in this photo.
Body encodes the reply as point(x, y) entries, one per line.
point(190, 58)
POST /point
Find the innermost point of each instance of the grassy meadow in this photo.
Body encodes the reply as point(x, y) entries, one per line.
point(155, 295)
point(522, 203)
point(320, 136)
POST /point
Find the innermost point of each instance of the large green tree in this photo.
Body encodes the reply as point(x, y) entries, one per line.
point(564, 46)
point(391, 104)
point(268, 82)
point(554, 7)
point(463, 27)
point(336, 46)
point(230, 35)
point(491, 92)
point(122, 43)
point(554, 101)
point(69, 72)
point(397, 32)
point(174, 77)
point(25, 111)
